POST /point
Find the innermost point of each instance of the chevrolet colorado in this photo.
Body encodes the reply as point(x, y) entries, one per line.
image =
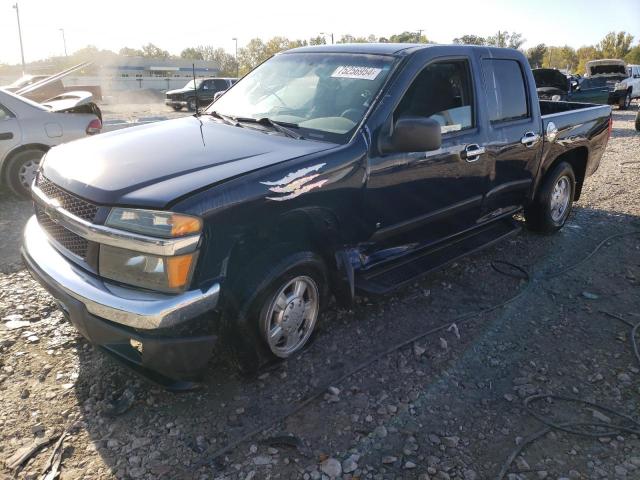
point(326, 171)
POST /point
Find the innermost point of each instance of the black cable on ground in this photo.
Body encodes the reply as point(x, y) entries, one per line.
point(498, 266)
point(579, 428)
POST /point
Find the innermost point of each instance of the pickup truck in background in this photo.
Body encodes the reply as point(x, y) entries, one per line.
point(205, 89)
point(326, 171)
point(623, 83)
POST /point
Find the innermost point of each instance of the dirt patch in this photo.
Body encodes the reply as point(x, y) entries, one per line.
point(448, 406)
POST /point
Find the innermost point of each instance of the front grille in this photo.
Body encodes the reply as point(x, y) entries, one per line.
point(66, 238)
point(72, 204)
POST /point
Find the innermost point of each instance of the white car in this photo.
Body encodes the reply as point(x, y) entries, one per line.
point(28, 129)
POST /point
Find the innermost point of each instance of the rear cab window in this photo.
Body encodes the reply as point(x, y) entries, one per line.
point(506, 92)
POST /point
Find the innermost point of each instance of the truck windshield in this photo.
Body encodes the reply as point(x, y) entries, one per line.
point(323, 95)
point(189, 84)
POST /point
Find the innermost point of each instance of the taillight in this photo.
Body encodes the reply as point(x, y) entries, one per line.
point(609, 128)
point(94, 126)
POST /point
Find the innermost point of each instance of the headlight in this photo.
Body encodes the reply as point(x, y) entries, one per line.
point(620, 86)
point(154, 223)
point(167, 274)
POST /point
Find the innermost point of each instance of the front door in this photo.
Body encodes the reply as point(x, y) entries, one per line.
point(422, 197)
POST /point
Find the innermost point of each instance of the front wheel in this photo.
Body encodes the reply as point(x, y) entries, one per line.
point(191, 104)
point(625, 102)
point(177, 108)
point(278, 306)
point(552, 205)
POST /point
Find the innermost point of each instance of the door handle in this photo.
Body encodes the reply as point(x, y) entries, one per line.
point(530, 139)
point(6, 136)
point(472, 152)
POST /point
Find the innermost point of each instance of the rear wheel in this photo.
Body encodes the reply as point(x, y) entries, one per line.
point(277, 309)
point(21, 171)
point(177, 108)
point(638, 121)
point(552, 205)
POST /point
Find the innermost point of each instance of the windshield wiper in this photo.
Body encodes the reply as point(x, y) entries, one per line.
point(225, 118)
point(278, 126)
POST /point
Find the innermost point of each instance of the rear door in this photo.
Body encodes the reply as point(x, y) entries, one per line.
point(515, 133)
point(10, 134)
point(426, 196)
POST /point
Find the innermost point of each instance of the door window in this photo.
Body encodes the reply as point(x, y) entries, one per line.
point(219, 85)
point(506, 93)
point(4, 113)
point(442, 92)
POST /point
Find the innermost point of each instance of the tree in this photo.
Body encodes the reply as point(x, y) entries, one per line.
point(585, 54)
point(408, 37)
point(633, 57)
point(153, 51)
point(319, 40)
point(470, 40)
point(615, 45)
point(257, 51)
point(564, 58)
point(348, 38)
point(506, 40)
point(130, 52)
point(191, 54)
point(536, 54)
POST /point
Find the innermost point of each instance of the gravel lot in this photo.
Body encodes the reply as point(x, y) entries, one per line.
point(449, 405)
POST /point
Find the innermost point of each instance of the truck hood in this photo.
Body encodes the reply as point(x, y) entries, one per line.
point(151, 165)
point(550, 78)
point(180, 90)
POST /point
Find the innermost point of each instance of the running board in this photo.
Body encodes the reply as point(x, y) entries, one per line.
point(386, 278)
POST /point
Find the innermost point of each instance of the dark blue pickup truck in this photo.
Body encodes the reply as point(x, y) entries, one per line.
point(326, 171)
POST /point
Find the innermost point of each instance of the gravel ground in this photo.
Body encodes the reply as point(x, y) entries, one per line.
point(447, 406)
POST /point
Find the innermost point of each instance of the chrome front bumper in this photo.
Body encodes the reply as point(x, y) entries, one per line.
point(126, 306)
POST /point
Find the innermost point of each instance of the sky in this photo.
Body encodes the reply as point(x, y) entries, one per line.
point(112, 24)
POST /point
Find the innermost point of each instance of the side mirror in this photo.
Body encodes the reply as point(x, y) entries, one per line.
point(217, 95)
point(414, 134)
point(637, 75)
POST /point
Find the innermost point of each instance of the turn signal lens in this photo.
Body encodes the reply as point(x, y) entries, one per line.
point(184, 225)
point(178, 270)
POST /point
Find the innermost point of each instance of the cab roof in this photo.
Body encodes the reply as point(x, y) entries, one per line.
point(396, 49)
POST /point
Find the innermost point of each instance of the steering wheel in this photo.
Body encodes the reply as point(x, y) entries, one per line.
point(352, 114)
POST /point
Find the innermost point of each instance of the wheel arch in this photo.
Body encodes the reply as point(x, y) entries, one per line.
point(22, 148)
point(313, 229)
point(578, 158)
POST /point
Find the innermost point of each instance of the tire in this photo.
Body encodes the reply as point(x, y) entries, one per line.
point(638, 121)
point(21, 171)
point(252, 312)
point(625, 102)
point(191, 104)
point(552, 205)
point(177, 108)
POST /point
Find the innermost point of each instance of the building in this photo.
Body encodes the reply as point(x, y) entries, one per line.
point(135, 73)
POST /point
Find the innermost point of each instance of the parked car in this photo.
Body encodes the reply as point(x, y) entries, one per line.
point(614, 75)
point(206, 88)
point(28, 130)
point(552, 84)
point(327, 170)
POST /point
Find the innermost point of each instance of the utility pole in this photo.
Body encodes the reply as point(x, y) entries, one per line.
point(330, 34)
point(64, 41)
point(237, 64)
point(20, 35)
